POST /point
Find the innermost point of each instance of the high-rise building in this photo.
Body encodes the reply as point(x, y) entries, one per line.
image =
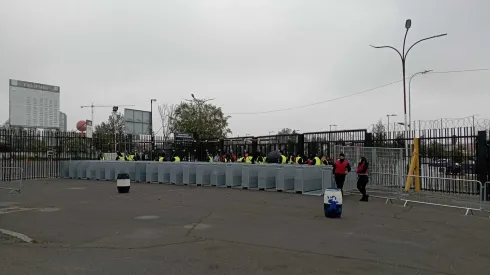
point(63, 122)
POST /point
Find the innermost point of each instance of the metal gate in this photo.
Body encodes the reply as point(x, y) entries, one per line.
point(386, 167)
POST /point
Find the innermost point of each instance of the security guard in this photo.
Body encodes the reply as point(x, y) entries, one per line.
point(249, 159)
point(210, 158)
point(101, 156)
point(298, 159)
point(120, 157)
point(291, 158)
point(317, 160)
point(131, 157)
point(284, 159)
point(240, 158)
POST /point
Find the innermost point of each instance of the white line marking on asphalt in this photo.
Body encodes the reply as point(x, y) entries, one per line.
point(14, 209)
point(17, 235)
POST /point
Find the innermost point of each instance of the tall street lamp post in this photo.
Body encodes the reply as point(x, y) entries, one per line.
point(403, 57)
point(409, 98)
point(151, 128)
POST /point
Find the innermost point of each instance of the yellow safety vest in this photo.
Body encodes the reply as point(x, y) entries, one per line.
point(248, 159)
point(102, 158)
point(240, 159)
point(122, 158)
point(284, 159)
point(176, 159)
point(290, 161)
point(298, 159)
point(131, 157)
point(160, 159)
point(210, 159)
point(264, 159)
point(318, 161)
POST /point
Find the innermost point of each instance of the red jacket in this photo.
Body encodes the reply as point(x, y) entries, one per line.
point(341, 167)
point(362, 169)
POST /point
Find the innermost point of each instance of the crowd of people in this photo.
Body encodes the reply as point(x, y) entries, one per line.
point(340, 168)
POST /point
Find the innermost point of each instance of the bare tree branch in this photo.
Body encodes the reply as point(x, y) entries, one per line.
point(167, 111)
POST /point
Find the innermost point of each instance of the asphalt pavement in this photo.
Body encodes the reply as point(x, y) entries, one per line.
point(86, 227)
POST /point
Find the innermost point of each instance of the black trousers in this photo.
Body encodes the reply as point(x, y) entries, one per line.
point(339, 181)
point(362, 181)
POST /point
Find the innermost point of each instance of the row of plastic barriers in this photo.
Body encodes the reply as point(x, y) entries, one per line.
point(305, 179)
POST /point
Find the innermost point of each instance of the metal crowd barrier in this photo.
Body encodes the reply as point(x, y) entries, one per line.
point(9, 176)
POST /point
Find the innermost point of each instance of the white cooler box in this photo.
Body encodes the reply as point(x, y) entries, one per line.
point(332, 203)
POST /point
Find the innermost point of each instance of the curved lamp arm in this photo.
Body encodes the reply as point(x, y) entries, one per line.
point(380, 47)
point(435, 36)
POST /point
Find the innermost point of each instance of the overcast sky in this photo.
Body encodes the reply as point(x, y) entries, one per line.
point(251, 56)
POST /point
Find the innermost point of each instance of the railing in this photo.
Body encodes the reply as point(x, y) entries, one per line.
point(9, 176)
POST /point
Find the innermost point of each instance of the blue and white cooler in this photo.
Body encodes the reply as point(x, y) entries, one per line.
point(332, 203)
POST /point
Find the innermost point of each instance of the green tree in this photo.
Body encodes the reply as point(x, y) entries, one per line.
point(204, 120)
point(114, 125)
point(379, 134)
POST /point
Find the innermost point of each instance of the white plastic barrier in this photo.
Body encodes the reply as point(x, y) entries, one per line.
point(250, 176)
point(218, 174)
point(152, 172)
point(307, 178)
point(176, 173)
point(189, 171)
point(92, 169)
point(203, 174)
point(100, 170)
point(267, 176)
point(164, 172)
point(126, 167)
point(284, 178)
point(110, 170)
point(140, 171)
point(233, 175)
point(73, 169)
point(82, 169)
point(65, 169)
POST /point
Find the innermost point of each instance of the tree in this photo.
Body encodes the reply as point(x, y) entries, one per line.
point(167, 111)
point(287, 135)
point(204, 120)
point(379, 133)
point(115, 124)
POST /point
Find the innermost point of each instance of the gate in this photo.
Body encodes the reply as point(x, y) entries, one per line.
point(386, 167)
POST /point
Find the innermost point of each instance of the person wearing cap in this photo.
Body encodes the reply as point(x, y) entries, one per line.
point(340, 170)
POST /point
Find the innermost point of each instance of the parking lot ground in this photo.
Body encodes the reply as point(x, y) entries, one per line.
point(86, 227)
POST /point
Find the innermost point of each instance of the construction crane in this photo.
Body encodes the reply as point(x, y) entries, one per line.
point(101, 106)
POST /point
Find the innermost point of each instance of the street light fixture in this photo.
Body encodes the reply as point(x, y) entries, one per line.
point(403, 57)
point(388, 129)
point(409, 98)
point(334, 125)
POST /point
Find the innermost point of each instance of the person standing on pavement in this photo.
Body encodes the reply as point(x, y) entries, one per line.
point(362, 178)
point(340, 170)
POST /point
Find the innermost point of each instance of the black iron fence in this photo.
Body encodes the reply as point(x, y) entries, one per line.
point(458, 152)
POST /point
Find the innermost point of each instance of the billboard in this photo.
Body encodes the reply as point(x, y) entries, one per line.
point(137, 122)
point(34, 105)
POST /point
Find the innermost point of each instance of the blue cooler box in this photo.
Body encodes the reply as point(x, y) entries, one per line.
point(332, 203)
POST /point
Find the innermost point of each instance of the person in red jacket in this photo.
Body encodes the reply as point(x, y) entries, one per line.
point(340, 170)
point(362, 178)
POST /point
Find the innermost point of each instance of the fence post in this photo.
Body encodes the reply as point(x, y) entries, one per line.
point(221, 147)
point(254, 146)
point(368, 142)
point(481, 160)
point(301, 144)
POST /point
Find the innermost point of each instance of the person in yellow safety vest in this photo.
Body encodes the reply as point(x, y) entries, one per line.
point(298, 159)
point(130, 156)
point(161, 159)
point(318, 161)
point(210, 158)
point(264, 158)
point(291, 158)
point(284, 159)
point(240, 158)
point(176, 158)
point(248, 159)
point(120, 157)
point(101, 156)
